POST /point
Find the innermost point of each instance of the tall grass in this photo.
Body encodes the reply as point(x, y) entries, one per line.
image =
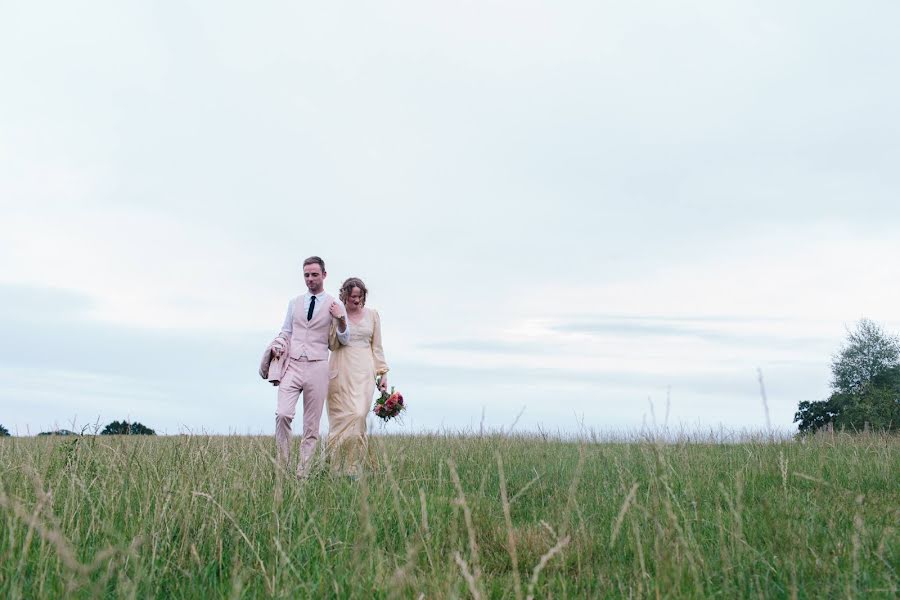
point(446, 516)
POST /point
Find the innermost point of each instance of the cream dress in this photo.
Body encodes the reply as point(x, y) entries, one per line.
point(351, 391)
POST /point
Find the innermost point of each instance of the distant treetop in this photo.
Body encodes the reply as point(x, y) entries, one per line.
point(126, 428)
point(868, 353)
point(4, 432)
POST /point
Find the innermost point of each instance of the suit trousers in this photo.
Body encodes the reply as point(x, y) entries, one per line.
point(309, 377)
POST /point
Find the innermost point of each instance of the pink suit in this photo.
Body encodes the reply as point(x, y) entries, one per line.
point(306, 371)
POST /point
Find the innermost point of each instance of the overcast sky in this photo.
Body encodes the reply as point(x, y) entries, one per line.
point(577, 209)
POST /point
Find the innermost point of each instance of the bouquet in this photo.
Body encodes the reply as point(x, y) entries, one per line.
point(389, 405)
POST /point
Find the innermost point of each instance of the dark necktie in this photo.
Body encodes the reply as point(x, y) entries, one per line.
point(312, 305)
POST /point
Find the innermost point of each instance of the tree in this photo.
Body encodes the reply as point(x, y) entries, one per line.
point(4, 432)
point(865, 384)
point(126, 428)
point(814, 415)
point(868, 353)
point(878, 404)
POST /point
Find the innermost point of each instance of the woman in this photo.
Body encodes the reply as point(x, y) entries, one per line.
point(353, 368)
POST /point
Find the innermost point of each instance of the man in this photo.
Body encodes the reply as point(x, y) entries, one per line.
point(304, 336)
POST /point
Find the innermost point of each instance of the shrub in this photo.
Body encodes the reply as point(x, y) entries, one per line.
point(126, 428)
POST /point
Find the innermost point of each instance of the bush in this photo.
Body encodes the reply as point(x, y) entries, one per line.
point(126, 428)
point(4, 432)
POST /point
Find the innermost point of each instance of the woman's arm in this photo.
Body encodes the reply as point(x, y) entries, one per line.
point(381, 367)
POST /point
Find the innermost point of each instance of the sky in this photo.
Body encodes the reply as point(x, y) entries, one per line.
point(571, 215)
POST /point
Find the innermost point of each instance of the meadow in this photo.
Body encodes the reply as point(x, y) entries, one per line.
point(452, 516)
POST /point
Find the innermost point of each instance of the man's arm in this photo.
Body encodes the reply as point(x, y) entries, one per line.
point(278, 344)
point(288, 325)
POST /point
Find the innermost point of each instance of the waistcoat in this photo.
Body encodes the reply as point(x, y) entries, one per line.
point(310, 338)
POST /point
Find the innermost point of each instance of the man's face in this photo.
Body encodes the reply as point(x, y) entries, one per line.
point(314, 277)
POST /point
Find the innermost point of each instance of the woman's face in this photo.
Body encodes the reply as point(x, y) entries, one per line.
point(354, 300)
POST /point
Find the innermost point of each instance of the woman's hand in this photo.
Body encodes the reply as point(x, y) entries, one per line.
point(382, 383)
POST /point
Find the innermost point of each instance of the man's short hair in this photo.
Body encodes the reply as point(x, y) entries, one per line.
point(315, 260)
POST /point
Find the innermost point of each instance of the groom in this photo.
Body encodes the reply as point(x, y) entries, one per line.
point(304, 336)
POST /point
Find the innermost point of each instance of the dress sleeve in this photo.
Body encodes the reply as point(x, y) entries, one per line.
point(333, 342)
point(341, 337)
point(377, 351)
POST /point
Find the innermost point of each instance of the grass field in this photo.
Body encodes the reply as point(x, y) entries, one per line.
point(451, 517)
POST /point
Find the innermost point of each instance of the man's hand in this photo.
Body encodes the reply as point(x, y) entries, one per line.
point(277, 348)
point(336, 310)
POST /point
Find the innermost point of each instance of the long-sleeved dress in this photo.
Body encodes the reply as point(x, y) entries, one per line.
point(351, 389)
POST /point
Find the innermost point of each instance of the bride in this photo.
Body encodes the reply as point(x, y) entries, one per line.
point(353, 368)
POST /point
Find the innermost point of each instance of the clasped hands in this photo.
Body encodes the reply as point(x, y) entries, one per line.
point(336, 310)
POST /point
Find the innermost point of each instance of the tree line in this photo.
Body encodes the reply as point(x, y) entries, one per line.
point(113, 428)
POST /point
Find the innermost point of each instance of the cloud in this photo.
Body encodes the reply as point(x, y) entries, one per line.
point(484, 346)
point(59, 363)
point(138, 268)
point(734, 382)
point(714, 330)
point(556, 337)
point(71, 340)
point(22, 303)
point(786, 279)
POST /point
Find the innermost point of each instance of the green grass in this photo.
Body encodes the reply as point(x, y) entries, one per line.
point(206, 517)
